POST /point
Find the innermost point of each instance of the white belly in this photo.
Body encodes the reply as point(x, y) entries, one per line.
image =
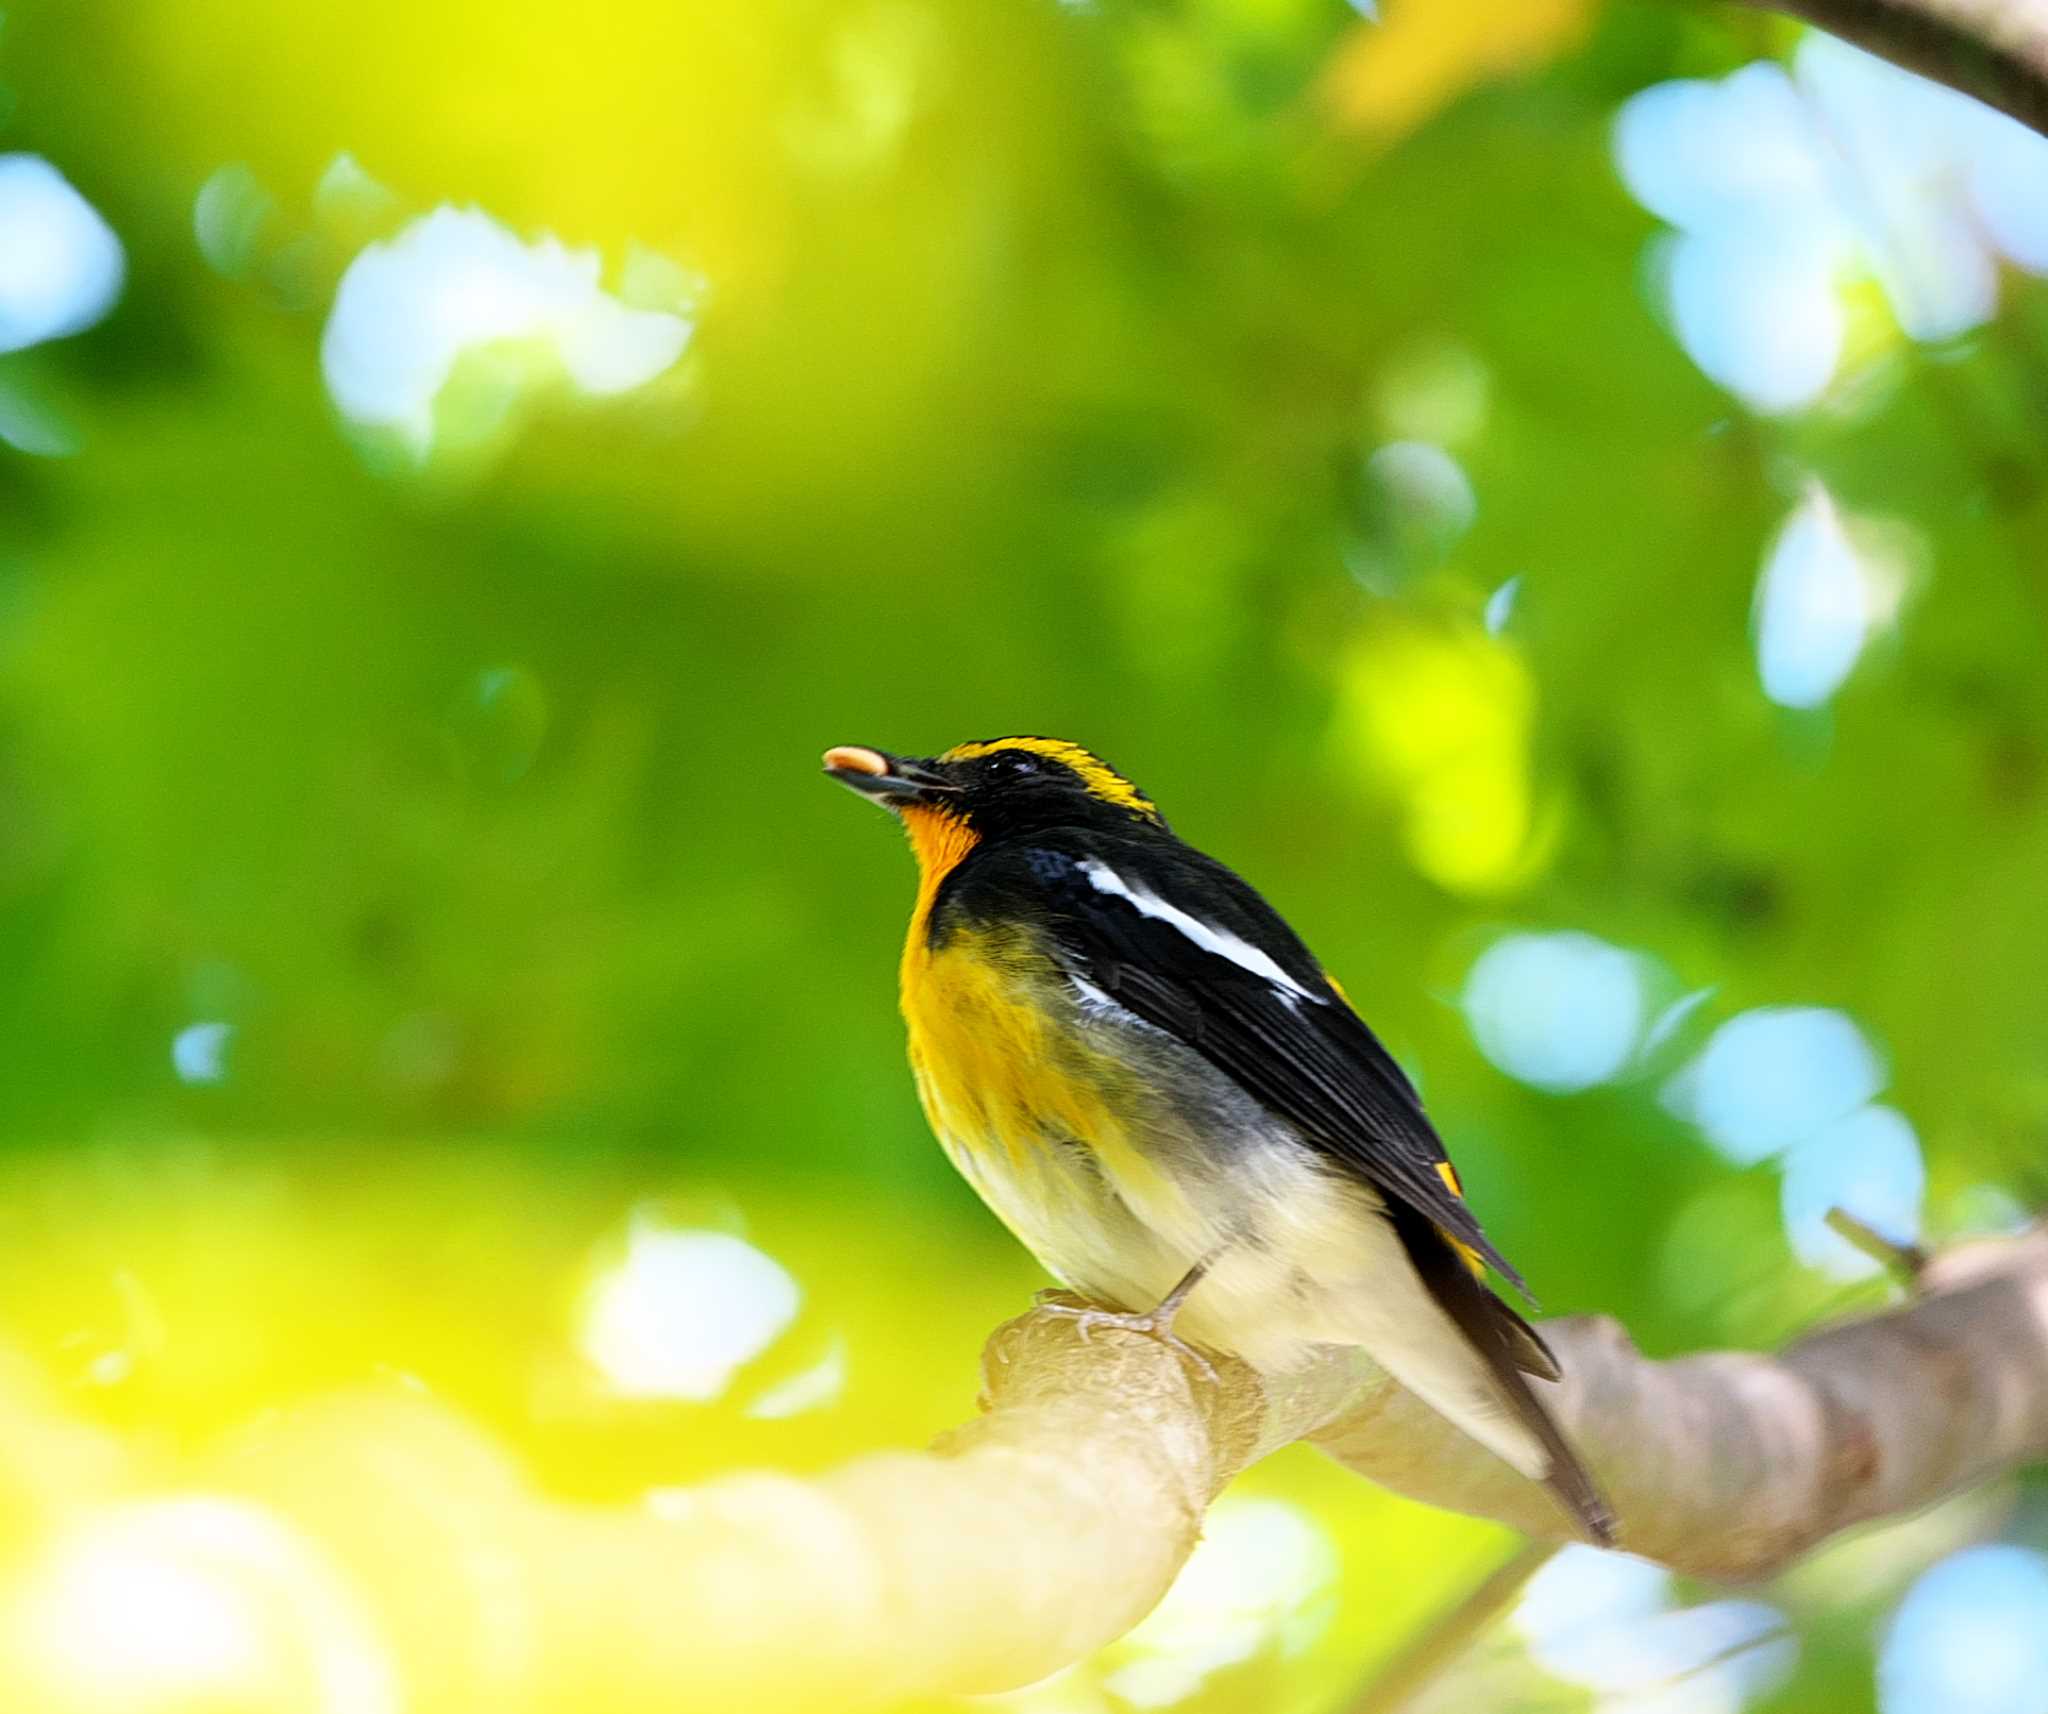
point(1297, 1259)
point(1297, 1255)
point(1121, 1193)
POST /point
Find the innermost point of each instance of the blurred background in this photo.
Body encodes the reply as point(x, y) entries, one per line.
point(1556, 494)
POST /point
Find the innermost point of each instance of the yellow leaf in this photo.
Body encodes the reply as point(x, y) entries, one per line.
point(1388, 79)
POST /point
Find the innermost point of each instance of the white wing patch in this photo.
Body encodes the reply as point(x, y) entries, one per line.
point(1101, 1008)
point(1093, 998)
point(1209, 938)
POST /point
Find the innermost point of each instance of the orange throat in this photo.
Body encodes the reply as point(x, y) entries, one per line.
point(938, 840)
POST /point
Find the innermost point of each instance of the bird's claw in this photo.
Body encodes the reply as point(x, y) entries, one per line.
point(1151, 1325)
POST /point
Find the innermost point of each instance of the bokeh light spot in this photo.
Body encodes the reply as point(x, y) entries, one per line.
point(1260, 1579)
point(1606, 1621)
point(1779, 349)
point(1971, 1637)
point(2008, 169)
point(1673, 1018)
point(1813, 607)
point(1444, 717)
point(1868, 1165)
point(809, 1389)
point(110, 1368)
point(1559, 1011)
point(455, 282)
point(883, 66)
point(1500, 606)
point(228, 219)
point(1433, 392)
point(31, 423)
point(1418, 502)
point(1697, 154)
point(349, 202)
point(60, 264)
point(1978, 1209)
point(1787, 188)
point(1583, 1586)
point(1709, 1659)
point(499, 724)
point(193, 1602)
point(683, 1311)
point(1774, 1076)
point(199, 1052)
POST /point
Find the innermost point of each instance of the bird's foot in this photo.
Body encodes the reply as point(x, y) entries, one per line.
point(1152, 1324)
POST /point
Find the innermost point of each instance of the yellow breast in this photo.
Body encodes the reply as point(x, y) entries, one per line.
point(994, 1069)
point(1030, 1109)
point(1011, 1087)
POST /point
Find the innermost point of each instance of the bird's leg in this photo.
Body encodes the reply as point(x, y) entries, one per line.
point(1155, 1323)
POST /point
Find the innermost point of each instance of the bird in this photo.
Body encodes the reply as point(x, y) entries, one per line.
point(1157, 1088)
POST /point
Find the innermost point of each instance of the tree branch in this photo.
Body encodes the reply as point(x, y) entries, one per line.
point(1995, 50)
point(1440, 1644)
point(1906, 1262)
point(1035, 1534)
point(1729, 1465)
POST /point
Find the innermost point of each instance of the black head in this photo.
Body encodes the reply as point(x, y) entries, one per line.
point(998, 786)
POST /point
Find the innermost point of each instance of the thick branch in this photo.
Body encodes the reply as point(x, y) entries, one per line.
point(1995, 50)
point(1042, 1530)
point(1728, 1465)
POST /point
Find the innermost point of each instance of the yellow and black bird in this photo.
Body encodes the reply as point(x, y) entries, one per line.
point(1153, 1083)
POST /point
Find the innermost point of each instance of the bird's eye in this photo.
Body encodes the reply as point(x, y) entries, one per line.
point(1011, 766)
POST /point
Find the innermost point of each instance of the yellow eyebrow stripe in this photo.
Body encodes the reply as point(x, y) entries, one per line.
point(1098, 776)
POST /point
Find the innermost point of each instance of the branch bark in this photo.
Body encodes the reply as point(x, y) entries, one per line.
point(1729, 1465)
point(1031, 1536)
point(1050, 1525)
point(1995, 50)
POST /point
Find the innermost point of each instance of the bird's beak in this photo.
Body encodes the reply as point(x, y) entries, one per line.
point(895, 782)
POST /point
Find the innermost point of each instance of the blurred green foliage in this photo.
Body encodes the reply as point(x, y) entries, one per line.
point(1044, 356)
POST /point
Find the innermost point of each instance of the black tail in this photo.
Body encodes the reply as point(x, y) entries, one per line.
point(1508, 1345)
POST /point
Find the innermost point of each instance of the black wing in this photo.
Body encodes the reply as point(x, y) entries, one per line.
point(1179, 940)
